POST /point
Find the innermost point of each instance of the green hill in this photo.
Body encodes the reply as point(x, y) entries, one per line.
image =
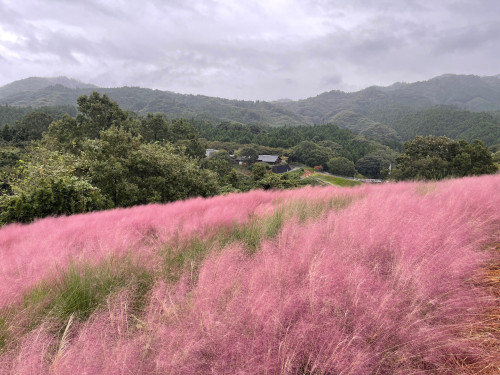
point(450, 105)
point(467, 92)
point(143, 101)
point(33, 84)
point(448, 121)
point(365, 126)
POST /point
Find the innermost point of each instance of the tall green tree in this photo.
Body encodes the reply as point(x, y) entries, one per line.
point(341, 166)
point(131, 172)
point(249, 153)
point(155, 127)
point(311, 154)
point(258, 171)
point(96, 113)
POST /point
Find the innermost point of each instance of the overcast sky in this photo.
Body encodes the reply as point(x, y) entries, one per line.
point(242, 49)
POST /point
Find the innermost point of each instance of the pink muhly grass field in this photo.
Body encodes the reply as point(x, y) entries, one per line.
point(382, 284)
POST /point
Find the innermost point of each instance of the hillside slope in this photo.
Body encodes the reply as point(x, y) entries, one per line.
point(33, 84)
point(143, 101)
point(363, 125)
point(399, 109)
point(467, 92)
point(373, 279)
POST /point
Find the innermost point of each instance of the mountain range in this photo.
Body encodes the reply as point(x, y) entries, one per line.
point(462, 106)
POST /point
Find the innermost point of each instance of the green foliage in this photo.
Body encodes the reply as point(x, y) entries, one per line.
point(220, 166)
point(9, 114)
point(45, 184)
point(339, 142)
point(233, 179)
point(64, 196)
point(376, 164)
point(108, 157)
point(29, 125)
point(154, 127)
point(143, 101)
point(134, 173)
point(401, 111)
point(333, 147)
point(438, 157)
point(311, 154)
point(64, 135)
point(259, 171)
point(29, 128)
point(434, 107)
point(249, 154)
point(9, 156)
point(441, 121)
point(278, 181)
point(341, 166)
point(103, 162)
point(496, 157)
point(367, 127)
point(82, 288)
point(95, 114)
point(185, 137)
point(12, 115)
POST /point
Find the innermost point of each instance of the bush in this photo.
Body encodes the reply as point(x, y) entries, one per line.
point(341, 166)
point(64, 196)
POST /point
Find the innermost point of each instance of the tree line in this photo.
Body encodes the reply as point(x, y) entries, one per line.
point(103, 157)
point(106, 157)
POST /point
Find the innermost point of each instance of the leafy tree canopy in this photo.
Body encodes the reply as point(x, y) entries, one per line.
point(434, 157)
point(48, 183)
point(341, 166)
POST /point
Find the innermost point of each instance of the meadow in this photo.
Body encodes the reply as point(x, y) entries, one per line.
point(375, 279)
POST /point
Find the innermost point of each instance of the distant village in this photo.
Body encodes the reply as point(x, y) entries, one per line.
point(278, 166)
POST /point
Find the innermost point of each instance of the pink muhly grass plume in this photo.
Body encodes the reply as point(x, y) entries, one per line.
point(383, 285)
point(108, 343)
point(29, 253)
point(30, 357)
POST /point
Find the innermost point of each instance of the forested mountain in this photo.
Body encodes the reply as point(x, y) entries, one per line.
point(448, 121)
point(33, 84)
point(468, 92)
point(365, 126)
point(143, 101)
point(449, 105)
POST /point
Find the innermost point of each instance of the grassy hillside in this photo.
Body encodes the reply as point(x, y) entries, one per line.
point(388, 279)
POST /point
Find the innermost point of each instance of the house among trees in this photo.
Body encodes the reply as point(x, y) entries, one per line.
point(269, 159)
point(281, 168)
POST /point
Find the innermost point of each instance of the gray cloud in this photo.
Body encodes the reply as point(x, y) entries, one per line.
point(469, 38)
point(248, 50)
